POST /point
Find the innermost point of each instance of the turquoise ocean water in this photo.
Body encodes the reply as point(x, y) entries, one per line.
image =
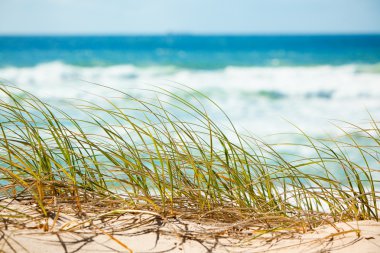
point(260, 81)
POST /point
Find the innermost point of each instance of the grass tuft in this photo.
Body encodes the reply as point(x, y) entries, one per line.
point(170, 158)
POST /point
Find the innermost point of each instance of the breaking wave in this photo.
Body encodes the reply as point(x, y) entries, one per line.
point(256, 97)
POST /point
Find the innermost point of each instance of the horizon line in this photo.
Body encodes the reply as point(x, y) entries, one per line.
point(190, 34)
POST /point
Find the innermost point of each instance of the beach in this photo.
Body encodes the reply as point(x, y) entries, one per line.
point(177, 143)
point(142, 232)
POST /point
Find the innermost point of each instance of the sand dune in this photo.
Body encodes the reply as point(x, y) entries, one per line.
point(142, 232)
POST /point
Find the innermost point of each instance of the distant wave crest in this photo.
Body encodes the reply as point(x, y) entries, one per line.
point(325, 82)
point(258, 98)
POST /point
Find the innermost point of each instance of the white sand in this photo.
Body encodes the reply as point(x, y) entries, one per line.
point(177, 236)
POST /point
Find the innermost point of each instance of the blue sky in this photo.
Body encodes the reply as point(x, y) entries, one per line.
point(188, 16)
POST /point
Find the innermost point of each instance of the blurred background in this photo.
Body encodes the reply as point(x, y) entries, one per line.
point(264, 62)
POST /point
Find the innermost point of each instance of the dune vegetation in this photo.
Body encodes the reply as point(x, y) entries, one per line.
point(140, 155)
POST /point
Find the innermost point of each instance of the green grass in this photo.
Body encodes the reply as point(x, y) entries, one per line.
point(140, 154)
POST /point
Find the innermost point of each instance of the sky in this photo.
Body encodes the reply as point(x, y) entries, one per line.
point(53, 17)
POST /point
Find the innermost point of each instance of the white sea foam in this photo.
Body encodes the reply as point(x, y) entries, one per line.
point(256, 98)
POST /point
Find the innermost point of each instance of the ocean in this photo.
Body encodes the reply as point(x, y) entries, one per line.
point(265, 84)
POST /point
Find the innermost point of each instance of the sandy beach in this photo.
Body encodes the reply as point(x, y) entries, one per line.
point(189, 126)
point(142, 231)
point(152, 239)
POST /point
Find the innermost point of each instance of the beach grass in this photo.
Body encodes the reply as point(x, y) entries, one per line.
point(139, 154)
